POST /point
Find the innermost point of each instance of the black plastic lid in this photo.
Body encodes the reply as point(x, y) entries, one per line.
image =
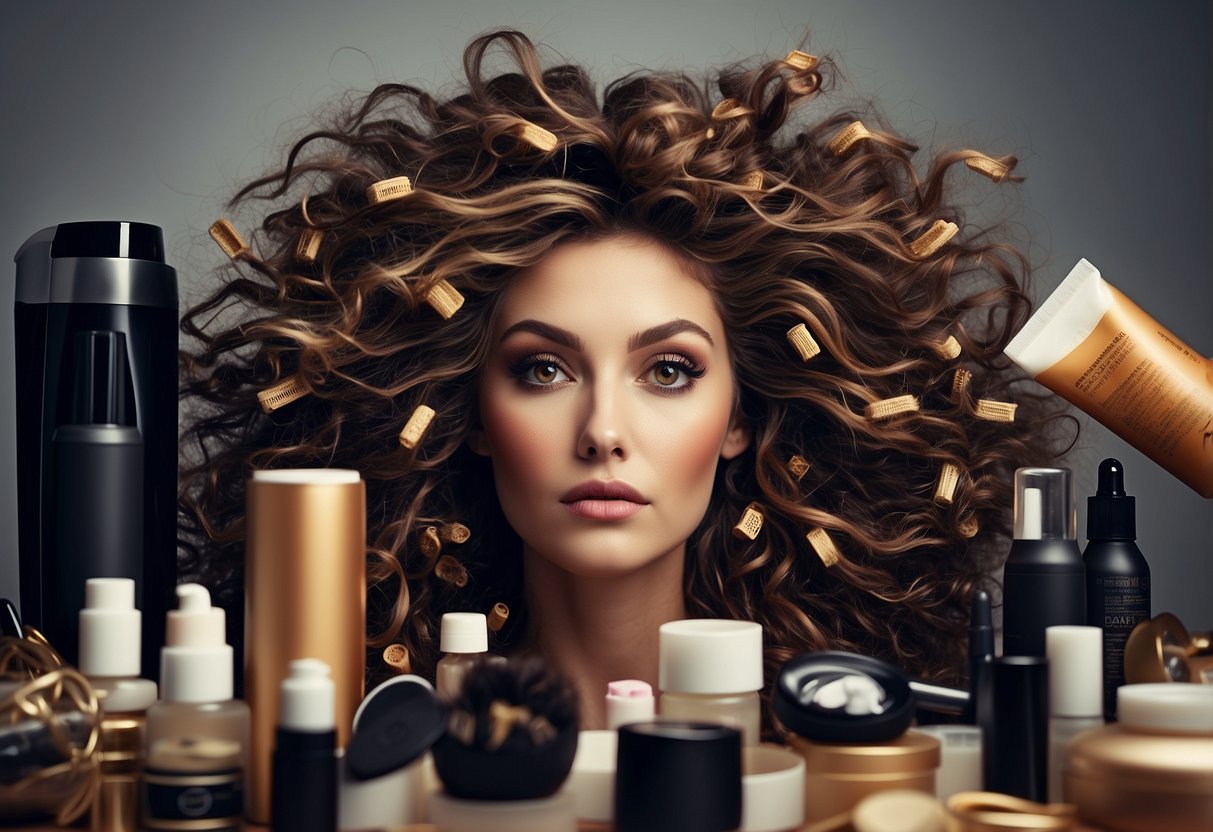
point(803, 675)
point(396, 723)
point(1111, 513)
point(109, 238)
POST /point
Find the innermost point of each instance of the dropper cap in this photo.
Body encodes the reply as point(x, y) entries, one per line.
point(196, 663)
point(1111, 513)
point(110, 637)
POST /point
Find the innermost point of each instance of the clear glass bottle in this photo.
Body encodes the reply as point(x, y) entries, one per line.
point(711, 670)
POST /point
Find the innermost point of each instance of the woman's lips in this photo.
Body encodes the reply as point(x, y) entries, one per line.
point(604, 509)
point(604, 500)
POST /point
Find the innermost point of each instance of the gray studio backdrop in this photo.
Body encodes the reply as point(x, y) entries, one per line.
point(155, 111)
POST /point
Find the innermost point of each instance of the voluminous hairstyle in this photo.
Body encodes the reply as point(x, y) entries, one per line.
point(783, 230)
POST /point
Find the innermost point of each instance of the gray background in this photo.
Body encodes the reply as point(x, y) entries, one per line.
point(155, 111)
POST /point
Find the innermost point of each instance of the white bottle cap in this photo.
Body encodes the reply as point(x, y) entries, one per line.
point(1171, 707)
point(109, 628)
point(709, 655)
point(308, 697)
point(196, 662)
point(629, 700)
point(1075, 670)
point(464, 632)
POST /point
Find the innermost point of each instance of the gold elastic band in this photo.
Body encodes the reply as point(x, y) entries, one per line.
point(752, 180)
point(498, 615)
point(445, 299)
point(948, 349)
point(726, 109)
point(455, 533)
point(799, 466)
point(228, 238)
point(388, 189)
point(888, 408)
point(969, 526)
point(452, 571)
point(993, 411)
point(396, 656)
point(750, 523)
point(988, 166)
point(308, 245)
point(933, 238)
point(846, 138)
point(802, 61)
point(945, 488)
point(429, 543)
point(281, 394)
point(534, 135)
point(960, 383)
point(416, 426)
point(799, 337)
point(820, 540)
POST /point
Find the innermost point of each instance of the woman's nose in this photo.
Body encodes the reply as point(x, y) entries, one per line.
point(603, 430)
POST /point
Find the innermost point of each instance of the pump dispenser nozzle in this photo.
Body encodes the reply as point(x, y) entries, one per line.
point(196, 663)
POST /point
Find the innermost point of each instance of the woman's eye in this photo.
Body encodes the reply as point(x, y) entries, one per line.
point(545, 372)
point(539, 371)
point(673, 374)
point(667, 375)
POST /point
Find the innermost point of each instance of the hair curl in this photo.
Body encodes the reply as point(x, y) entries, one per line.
point(781, 229)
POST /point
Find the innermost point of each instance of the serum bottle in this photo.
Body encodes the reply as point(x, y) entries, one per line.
point(464, 638)
point(197, 734)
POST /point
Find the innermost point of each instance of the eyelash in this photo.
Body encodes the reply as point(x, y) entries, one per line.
point(691, 370)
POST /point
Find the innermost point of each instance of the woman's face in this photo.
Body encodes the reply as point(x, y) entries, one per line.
point(606, 404)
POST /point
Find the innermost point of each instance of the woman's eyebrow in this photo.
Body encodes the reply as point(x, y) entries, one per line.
point(660, 332)
point(552, 333)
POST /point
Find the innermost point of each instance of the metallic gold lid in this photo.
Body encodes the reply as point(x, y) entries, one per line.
point(912, 751)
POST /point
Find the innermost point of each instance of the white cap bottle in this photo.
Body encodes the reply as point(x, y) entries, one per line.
point(711, 669)
point(1076, 701)
point(464, 638)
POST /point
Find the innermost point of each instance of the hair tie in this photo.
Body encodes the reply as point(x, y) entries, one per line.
point(387, 190)
point(820, 540)
point(993, 411)
point(948, 349)
point(799, 466)
point(451, 571)
point(933, 238)
point(988, 166)
point(945, 488)
point(281, 394)
point(846, 138)
point(229, 239)
point(498, 616)
point(444, 299)
point(750, 523)
point(802, 341)
point(960, 383)
point(414, 429)
point(308, 245)
point(888, 408)
point(801, 61)
point(534, 135)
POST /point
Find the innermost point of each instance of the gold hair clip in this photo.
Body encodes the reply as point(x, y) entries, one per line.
point(947, 349)
point(802, 61)
point(388, 189)
point(416, 426)
point(888, 408)
point(462, 726)
point(820, 540)
point(281, 394)
point(750, 523)
point(933, 238)
point(995, 169)
point(502, 718)
point(960, 383)
point(228, 238)
point(968, 526)
point(726, 109)
point(799, 466)
point(498, 615)
point(753, 180)
point(444, 299)
point(993, 411)
point(945, 488)
point(534, 135)
point(396, 656)
point(455, 533)
point(308, 245)
point(429, 543)
point(846, 138)
point(799, 337)
point(452, 571)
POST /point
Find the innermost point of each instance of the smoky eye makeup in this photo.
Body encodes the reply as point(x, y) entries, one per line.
point(539, 370)
point(672, 373)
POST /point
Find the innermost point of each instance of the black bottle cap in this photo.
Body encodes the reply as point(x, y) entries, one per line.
point(1111, 513)
point(108, 238)
point(396, 723)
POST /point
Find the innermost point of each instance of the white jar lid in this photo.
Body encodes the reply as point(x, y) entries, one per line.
point(1173, 707)
point(307, 476)
point(1075, 670)
point(709, 655)
point(464, 632)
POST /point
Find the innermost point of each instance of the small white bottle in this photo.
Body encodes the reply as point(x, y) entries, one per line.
point(711, 670)
point(110, 641)
point(629, 700)
point(197, 734)
point(464, 638)
point(1075, 692)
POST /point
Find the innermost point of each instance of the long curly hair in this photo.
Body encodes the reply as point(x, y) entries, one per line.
point(788, 223)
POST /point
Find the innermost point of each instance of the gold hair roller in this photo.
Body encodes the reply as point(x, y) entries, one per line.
point(429, 543)
point(960, 383)
point(455, 533)
point(933, 239)
point(799, 337)
point(502, 718)
point(534, 135)
point(948, 349)
point(752, 180)
point(802, 61)
point(416, 426)
point(228, 238)
point(498, 615)
point(452, 571)
point(799, 466)
point(820, 540)
point(888, 408)
point(750, 523)
point(445, 299)
point(988, 166)
point(728, 108)
point(969, 526)
point(308, 245)
point(993, 411)
point(945, 488)
point(846, 138)
point(389, 189)
point(281, 394)
point(396, 656)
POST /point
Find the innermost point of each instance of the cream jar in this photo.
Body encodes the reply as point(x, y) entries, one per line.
point(1152, 772)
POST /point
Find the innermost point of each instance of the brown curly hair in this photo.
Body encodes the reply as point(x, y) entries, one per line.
point(785, 229)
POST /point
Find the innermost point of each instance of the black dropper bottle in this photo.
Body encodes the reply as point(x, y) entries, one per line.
point(1118, 577)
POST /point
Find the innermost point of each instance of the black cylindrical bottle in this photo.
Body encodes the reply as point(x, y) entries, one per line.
point(1118, 577)
point(1044, 581)
point(304, 787)
point(1016, 759)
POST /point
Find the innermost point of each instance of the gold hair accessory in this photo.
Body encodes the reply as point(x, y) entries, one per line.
point(752, 180)
point(988, 166)
point(444, 298)
point(396, 656)
point(502, 718)
point(429, 543)
point(947, 349)
point(228, 238)
point(455, 533)
point(710, 133)
point(960, 383)
point(992, 811)
point(802, 61)
point(933, 238)
point(388, 189)
point(462, 726)
point(820, 540)
point(534, 135)
point(799, 337)
point(995, 411)
point(888, 408)
point(308, 245)
point(727, 108)
point(281, 394)
point(750, 523)
point(968, 526)
point(416, 426)
point(452, 571)
point(498, 615)
point(846, 138)
point(799, 466)
point(945, 488)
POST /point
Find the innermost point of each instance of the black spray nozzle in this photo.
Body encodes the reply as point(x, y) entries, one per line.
point(1111, 479)
point(101, 375)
